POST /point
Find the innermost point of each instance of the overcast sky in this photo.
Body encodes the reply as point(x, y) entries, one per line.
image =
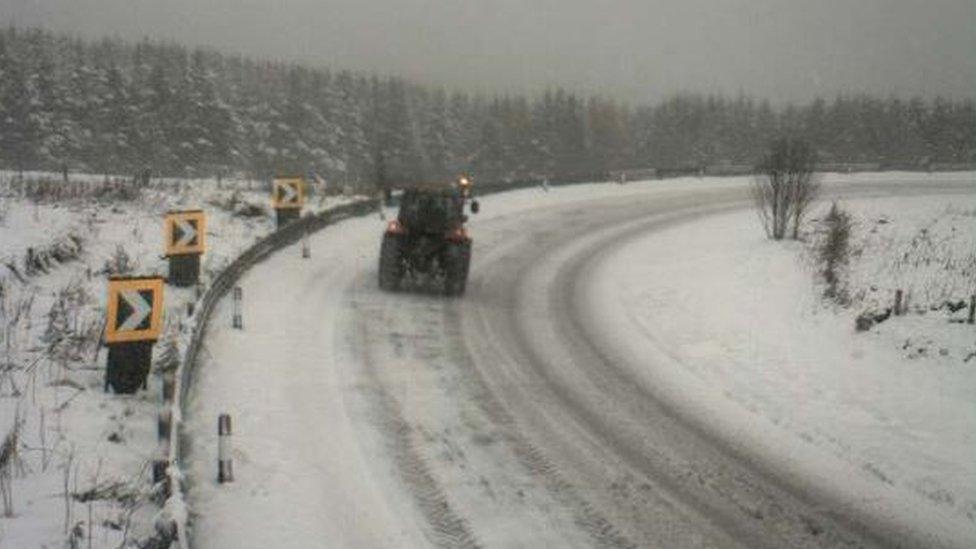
point(637, 50)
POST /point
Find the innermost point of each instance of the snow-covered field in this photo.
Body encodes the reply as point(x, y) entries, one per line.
point(746, 318)
point(80, 467)
point(342, 428)
point(735, 323)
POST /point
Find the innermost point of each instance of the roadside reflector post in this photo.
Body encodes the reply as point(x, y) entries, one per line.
point(169, 386)
point(225, 465)
point(972, 309)
point(306, 250)
point(164, 424)
point(898, 298)
point(238, 321)
point(135, 313)
point(184, 233)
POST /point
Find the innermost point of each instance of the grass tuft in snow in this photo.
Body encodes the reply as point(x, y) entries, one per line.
point(121, 263)
point(10, 461)
point(834, 253)
point(883, 264)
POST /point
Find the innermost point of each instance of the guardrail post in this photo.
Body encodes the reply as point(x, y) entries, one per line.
point(238, 320)
point(306, 250)
point(160, 471)
point(225, 465)
point(164, 423)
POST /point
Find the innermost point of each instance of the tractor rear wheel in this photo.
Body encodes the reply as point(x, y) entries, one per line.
point(457, 258)
point(391, 263)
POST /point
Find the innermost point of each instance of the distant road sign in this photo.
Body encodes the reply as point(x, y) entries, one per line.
point(289, 192)
point(135, 309)
point(185, 232)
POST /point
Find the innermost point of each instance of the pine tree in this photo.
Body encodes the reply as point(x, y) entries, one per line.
point(20, 125)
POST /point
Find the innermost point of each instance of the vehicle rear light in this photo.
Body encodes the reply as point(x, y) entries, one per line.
point(457, 234)
point(394, 227)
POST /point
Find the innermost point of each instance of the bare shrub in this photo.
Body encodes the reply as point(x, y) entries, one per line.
point(42, 260)
point(834, 252)
point(785, 187)
point(250, 210)
point(118, 190)
point(36, 262)
point(9, 460)
point(234, 201)
point(113, 490)
point(53, 189)
point(66, 249)
point(120, 263)
point(13, 269)
point(169, 361)
point(63, 322)
point(236, 205)
point(15, 314)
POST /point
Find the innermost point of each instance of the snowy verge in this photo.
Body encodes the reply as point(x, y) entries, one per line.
point(80, 469)
point(728, 328)
point(223, 282)
point(81, 456)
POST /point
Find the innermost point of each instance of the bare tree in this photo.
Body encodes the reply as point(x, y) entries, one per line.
point(785, 186)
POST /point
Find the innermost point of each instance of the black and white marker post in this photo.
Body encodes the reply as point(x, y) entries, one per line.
point(238, 320)
point(225, 465)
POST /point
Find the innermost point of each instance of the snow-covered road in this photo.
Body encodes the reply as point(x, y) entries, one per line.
point(510, 417)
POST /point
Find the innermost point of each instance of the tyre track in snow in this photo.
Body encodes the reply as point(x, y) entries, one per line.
point(447, 528)
point(597, 526)
point(420, 334)
point(505, 427)
point(652, 509)
point(699, 488)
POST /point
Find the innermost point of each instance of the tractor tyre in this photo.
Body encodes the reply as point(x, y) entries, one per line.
point(391, 263)
point(457, 259)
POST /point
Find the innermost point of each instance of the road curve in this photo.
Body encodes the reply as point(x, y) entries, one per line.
point(660, 476)
point(504, 419)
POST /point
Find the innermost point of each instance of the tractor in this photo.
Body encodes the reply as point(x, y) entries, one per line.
point(427, 242)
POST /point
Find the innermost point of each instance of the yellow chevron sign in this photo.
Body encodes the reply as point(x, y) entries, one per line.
point(288, 192)
point(185, 232)
point(135, 309)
